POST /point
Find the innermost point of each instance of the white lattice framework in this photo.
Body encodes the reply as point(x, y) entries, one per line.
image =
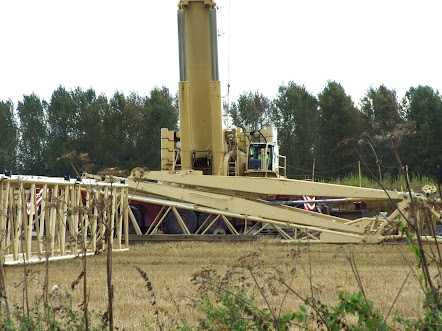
point(46, 217)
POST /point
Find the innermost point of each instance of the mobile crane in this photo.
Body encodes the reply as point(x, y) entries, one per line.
point(213, 181)
point(202, 144)
point(216, 181)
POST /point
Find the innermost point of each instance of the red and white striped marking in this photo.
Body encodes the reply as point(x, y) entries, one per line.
point(38, 198)
point(310, 205)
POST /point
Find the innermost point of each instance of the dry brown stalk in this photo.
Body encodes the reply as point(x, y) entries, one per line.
point(110, 287)
point(152, 295)
point(3, 291)
point(85, 292)
point(380, 266)
point(77, 280)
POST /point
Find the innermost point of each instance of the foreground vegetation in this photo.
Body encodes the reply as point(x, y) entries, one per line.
point(176, 285)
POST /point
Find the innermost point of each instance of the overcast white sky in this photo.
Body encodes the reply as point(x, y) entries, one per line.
point(132, 45)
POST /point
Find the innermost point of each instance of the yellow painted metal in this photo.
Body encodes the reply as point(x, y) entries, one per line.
point(161, 220)
point(219, 195)
point(202, 137)
point(3, 198)
point(180, 221)
point(94, 225)
point(229, 150)
point(219, 169)
point(126, 217)
point(134, 223)
point(205, 224)
point(247, 207)
point(338, 238)
point(186, 126)
point(265, 186)
point(158, 219)
point(85, 224)
point(28, 223)
point(200, 194)
point(53, 228)
point(199, 96)
point(229, 225)
point(259, 221)
point(199, 74)
point(53, 219)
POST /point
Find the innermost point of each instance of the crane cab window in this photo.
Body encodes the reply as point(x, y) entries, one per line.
point(254, 152)
point(258, 157)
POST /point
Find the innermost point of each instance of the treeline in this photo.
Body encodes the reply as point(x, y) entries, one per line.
point(79, 131)
point(332, 133)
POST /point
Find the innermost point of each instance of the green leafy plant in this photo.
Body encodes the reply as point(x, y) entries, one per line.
point(61, 316)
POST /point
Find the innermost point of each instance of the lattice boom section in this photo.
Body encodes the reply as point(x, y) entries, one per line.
point(42, 217)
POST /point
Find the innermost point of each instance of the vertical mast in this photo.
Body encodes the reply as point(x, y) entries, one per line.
point(199, 88)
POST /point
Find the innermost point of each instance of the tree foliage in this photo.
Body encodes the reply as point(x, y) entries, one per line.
point(89, 133)
point(9, 136)
point(160, 110)
point(338, 119)
point(294, 113)
point(380, 106)
point(423, 106)
point(252, 110)
point(79, 131)
point(62, 126)
point(33, 145)
point(381, 111)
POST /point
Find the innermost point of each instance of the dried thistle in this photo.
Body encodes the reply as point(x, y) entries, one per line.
point(152, 294)
point(75, 282)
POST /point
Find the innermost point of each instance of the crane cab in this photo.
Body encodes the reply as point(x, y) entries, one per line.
point(262, 160)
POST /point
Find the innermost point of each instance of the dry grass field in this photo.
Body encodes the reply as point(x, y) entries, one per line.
point(170, 267)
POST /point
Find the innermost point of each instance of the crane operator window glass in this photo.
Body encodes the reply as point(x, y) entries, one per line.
point(253, 153)
point(258, 153)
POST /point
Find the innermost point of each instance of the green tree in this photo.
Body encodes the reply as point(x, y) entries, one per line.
point(160, 110)
point(380, 108)
point(91, 121)
point(82, 150)
point(33, 143)
point(138, 131)
point(294, 113)
point(338, 119)
point(132, 128)
point(63, 129)
point(116, 135)
point(9, 136)
point(101, 145)
point(423, 106)
point(251, 109)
